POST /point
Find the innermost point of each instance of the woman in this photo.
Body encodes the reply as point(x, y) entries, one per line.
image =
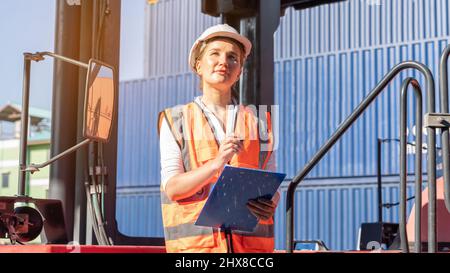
point(199, 138)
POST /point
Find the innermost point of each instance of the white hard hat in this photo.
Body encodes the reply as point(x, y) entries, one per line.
point(221, 30)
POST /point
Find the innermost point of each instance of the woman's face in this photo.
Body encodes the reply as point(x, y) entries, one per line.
point(220, 65)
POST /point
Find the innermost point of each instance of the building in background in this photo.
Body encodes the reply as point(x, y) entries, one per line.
point(38, 150)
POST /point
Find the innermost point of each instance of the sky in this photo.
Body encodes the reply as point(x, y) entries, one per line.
point(29, 26)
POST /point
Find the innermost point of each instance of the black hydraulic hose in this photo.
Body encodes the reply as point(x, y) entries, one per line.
point(343, 128)
point(94, 200)
point(87, 189)
point(91, 209)
point(98, 216)
point(418, 167)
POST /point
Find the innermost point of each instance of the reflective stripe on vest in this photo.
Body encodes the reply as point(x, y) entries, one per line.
point(198, 145)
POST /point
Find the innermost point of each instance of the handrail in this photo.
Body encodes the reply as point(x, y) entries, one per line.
point(431, 166)
point(444, 131)
point(418, 167)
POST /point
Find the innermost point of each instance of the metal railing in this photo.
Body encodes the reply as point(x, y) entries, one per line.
point(418, 167)
point(443, 84)
point(431, 144)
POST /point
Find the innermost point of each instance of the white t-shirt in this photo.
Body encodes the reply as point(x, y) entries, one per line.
point(171, 160)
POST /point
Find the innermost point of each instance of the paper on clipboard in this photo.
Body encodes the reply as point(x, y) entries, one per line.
point(226, 206)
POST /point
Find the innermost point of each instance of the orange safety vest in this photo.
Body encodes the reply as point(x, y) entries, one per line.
point(197, 143)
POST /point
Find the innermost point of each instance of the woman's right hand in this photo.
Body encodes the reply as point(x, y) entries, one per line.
point(230, 146)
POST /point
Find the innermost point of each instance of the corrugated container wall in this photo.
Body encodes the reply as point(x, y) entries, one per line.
point(327, 59)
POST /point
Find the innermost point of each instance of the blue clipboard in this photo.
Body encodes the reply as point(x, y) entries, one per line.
point(226, 206)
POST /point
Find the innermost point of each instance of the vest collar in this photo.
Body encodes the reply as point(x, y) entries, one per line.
point(208, 115)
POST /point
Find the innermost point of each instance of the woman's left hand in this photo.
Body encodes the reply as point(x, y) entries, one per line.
point(262, 208)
